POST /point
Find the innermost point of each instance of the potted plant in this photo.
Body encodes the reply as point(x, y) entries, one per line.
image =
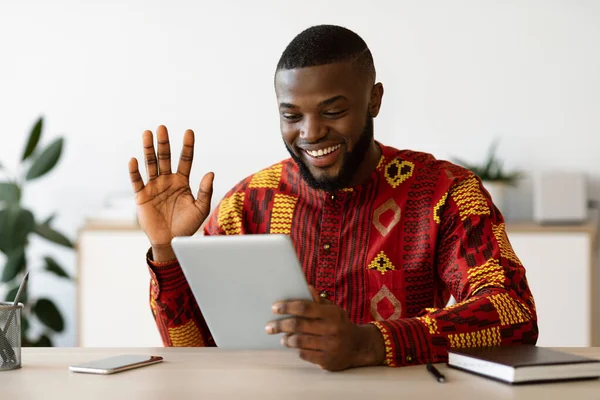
point(17, 224)
point(495, 178)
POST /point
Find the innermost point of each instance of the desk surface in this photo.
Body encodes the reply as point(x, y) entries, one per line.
point(201, 373)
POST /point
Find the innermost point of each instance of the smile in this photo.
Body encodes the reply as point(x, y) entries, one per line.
point(322, 152)
point(325, 157)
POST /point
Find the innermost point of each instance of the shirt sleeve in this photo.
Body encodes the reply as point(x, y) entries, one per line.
point(177, 315)
point(174, 307)
point(477, 265)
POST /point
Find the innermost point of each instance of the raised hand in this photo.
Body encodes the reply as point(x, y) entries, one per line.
point(166, 206)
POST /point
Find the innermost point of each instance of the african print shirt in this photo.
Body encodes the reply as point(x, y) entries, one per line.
point(390, 252)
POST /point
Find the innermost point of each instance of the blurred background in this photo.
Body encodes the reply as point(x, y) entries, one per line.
point(458, 75)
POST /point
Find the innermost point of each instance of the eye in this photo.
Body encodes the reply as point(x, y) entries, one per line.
point(334, 114)
point(290, 117)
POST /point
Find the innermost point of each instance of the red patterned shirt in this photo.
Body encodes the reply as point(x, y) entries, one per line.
point(390, 252)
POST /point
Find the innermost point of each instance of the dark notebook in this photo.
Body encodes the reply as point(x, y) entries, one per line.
point(523, 364)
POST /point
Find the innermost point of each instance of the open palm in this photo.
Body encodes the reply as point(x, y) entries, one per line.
point(166, 206)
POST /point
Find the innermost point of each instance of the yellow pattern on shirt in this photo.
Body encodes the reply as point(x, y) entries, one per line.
point(430, 323)
point(268, 178)
point(381, 263)
point(506, 249)
point(397, 171)
point(230, 214)
point(469, 199)
point(509, 311)
point(282, 214)
point(387, 341)
point(486, 275)
point(438, 206)
point(186, 335)
point(481, 338)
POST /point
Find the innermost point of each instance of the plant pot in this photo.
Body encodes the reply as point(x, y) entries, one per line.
point(497, 191)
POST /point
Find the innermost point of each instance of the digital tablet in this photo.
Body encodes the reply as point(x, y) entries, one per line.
point(236, 279)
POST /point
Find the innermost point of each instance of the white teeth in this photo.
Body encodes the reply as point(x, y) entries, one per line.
point(323, 152)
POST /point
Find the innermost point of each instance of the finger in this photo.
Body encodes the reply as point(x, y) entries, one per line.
point(298, 325)
point(150, 155)
point(164, 150)
point(303, 341)
point(134, 175)
point(301, 308)
point(317, 296)
point(314, 293)
point(205, 191)
point(187, 154)
point(312, 356)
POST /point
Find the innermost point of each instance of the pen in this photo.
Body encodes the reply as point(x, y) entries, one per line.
point(16, 302)
point(437, 375)
point(6, 350)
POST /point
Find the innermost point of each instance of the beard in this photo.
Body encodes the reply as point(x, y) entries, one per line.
point(350, 163)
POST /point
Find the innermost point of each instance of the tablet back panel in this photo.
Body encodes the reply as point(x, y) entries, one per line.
point(235, 280)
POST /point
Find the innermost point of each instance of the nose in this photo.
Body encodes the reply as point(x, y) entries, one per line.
point(312, 130)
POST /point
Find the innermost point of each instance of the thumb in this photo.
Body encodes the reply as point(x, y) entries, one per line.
point(206, 190)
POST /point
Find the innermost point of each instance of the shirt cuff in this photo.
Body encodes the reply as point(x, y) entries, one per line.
point(407, 342)
point(164, 276)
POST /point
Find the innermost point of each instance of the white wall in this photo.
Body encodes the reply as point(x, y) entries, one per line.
point(456, 74)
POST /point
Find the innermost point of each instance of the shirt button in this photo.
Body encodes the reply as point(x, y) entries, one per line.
point(323, 294)
point(326, 246)
point(332, 197)
point(409, 359)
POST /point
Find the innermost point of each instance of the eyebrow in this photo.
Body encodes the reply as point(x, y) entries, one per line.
point(323, 103)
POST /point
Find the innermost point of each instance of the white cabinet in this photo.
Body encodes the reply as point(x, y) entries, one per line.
point(113, 289)
point(113, 307)
point(562, 274)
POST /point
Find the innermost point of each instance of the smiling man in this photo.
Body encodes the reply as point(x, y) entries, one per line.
point(384, 235)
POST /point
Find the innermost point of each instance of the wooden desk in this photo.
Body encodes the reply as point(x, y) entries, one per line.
point(200, 373)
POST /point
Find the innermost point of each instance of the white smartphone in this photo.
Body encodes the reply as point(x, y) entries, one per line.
point(115, 364)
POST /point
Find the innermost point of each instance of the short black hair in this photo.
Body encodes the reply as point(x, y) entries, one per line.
point(327, 44)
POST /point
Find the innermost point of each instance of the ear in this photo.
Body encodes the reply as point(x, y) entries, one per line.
point(375, 101)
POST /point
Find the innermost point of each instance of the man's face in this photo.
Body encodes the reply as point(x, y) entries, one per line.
point(325, 121)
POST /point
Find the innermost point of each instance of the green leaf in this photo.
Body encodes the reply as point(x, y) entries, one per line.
point(52, 266)
point(10, 192)
point(24, 225)
point(50, 234)
point(12, 293)
point(46, 160)
point(24, 323)
point(49, 220)
point(34, 138)
point(43, 341)
point(491, 162)
point(15, 263)
point(16, 223)
point(463, 163)
point(3, 230)
point(48, 314)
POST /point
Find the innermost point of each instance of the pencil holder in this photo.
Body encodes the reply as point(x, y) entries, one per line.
point(10, 336)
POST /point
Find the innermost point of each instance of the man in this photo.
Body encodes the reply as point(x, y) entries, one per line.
point(384, 236)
